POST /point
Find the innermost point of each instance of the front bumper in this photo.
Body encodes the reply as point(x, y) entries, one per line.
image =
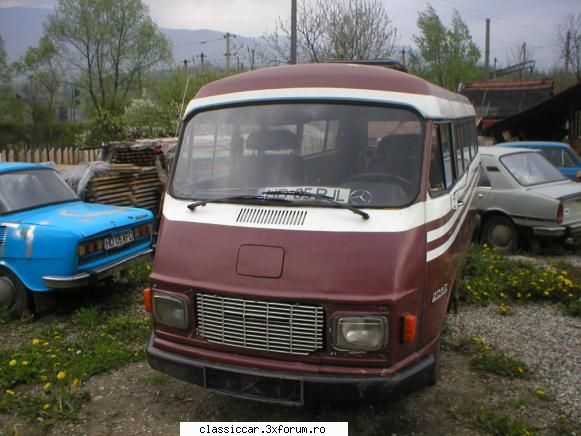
point(87, 277)
point(293, 389)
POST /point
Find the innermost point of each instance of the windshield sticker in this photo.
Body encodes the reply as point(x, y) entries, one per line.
point(341, 195)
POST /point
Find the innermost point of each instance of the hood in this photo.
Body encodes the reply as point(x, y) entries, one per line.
point(87, 219)
point(558, 191)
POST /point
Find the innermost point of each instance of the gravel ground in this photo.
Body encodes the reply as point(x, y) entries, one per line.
point(548, 342)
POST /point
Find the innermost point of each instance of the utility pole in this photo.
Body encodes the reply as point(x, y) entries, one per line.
point(487, 50)
point(524, 57)
point(293, 53)
point(228, 54)
point(494, 74)
point(403, 57)
point(567, 51)
point(252, 59)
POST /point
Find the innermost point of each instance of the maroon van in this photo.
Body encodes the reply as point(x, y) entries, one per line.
point(314, 228)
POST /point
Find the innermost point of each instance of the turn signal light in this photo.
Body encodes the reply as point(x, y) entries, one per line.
point(560, 214)
point(147, 299)
point(409, 328)
point(144, 230)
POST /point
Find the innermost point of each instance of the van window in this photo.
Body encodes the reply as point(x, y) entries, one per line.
point(447, 154)
point(323, 148)
point(437, 180)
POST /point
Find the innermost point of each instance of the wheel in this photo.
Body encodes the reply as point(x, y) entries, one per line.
point(500, 233)
point(13, 295)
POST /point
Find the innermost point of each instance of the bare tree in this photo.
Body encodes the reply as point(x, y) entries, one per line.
point(342, 30)
point(569, 39)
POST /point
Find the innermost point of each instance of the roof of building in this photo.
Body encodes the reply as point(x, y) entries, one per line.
point(543, 120)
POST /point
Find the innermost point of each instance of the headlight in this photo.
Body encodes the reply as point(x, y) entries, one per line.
point(170, 311)
point(365, 333)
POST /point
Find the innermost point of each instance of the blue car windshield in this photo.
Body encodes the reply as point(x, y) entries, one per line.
point(33, 188)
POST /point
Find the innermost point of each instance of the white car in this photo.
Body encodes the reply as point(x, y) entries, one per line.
point(522, 196)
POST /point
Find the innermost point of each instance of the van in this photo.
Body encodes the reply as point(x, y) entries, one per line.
point(313, 232)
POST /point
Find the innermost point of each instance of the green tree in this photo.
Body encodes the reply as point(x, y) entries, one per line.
point(445, 56)
point(112, 43)
point(41, 65)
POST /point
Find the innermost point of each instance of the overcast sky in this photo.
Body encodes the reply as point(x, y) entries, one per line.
point(512, 21)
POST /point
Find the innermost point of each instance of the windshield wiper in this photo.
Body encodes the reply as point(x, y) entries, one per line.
point(327, 198)
point(236, 198)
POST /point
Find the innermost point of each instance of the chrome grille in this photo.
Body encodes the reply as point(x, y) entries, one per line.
point(3, 232)
point(260, 325)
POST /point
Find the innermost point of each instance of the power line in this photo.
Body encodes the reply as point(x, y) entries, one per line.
point(200, 42)
point(497, 20)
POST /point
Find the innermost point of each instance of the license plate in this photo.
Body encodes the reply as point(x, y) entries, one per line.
point(119, 240)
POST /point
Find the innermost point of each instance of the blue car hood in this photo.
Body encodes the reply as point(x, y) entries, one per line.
point(86, 219)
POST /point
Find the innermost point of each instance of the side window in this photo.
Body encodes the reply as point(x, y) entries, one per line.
point(458, 153)
point(447, 154)
point(437, 181)
point(442, 174)
point(568, 160)
point(467, 144)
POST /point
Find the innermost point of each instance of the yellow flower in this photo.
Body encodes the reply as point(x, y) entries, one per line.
point(76, 381)
point(24, 363)
point(45, 344)
point(45, 406)
point(61, 375)
point(43, 378)
point(12, 362)
point(9, 392)
point(540, 392)
point(47, 386)
point(35, 341)
point(520, 370)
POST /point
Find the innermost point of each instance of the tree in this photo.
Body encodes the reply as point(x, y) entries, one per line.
point(341, 30)
point(569, 39)
point(45, 75)
point(445, 56)
point(112, 43)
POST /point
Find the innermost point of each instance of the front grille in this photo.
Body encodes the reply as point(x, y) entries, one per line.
point(3, 232)
point(260, 325)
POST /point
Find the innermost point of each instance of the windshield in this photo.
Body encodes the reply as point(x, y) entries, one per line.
point(531, 168)
point(356, 154)
point(21, 190)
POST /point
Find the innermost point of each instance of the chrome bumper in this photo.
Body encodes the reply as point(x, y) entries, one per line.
point(87, 277)
point(558, 231)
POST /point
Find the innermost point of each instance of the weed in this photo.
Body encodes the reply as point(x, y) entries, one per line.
point(43, 378)
point(493, 278)
point(488, 421)
point(496, 362)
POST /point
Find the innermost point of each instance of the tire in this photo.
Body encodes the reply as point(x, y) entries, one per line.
point(14, 297)
point(500, 233)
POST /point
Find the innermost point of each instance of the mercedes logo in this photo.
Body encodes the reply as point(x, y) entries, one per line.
point(361, 196)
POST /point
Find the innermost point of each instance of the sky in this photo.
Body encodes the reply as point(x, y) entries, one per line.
point(513, 22)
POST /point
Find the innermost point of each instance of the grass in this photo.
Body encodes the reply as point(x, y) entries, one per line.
point(486, 359)
point(42, 377)
point(489, 422)
point(492, 278)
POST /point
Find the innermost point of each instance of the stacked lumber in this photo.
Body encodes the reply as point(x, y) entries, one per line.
point(127, 185)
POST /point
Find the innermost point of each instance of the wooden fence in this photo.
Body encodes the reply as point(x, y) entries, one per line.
point(58, 155)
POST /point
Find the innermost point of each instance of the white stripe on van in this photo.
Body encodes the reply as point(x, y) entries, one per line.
point(429, 106)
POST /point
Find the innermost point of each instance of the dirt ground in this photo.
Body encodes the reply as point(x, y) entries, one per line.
point(137, 400)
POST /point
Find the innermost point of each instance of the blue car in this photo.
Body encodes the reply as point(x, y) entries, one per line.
point(558, 153)
point(49, 239)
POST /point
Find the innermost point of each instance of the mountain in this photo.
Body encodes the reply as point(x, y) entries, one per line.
point(22, 28)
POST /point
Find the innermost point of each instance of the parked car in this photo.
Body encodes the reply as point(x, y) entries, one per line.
point(50, 239)
point(523, 196)
point(558, 153)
